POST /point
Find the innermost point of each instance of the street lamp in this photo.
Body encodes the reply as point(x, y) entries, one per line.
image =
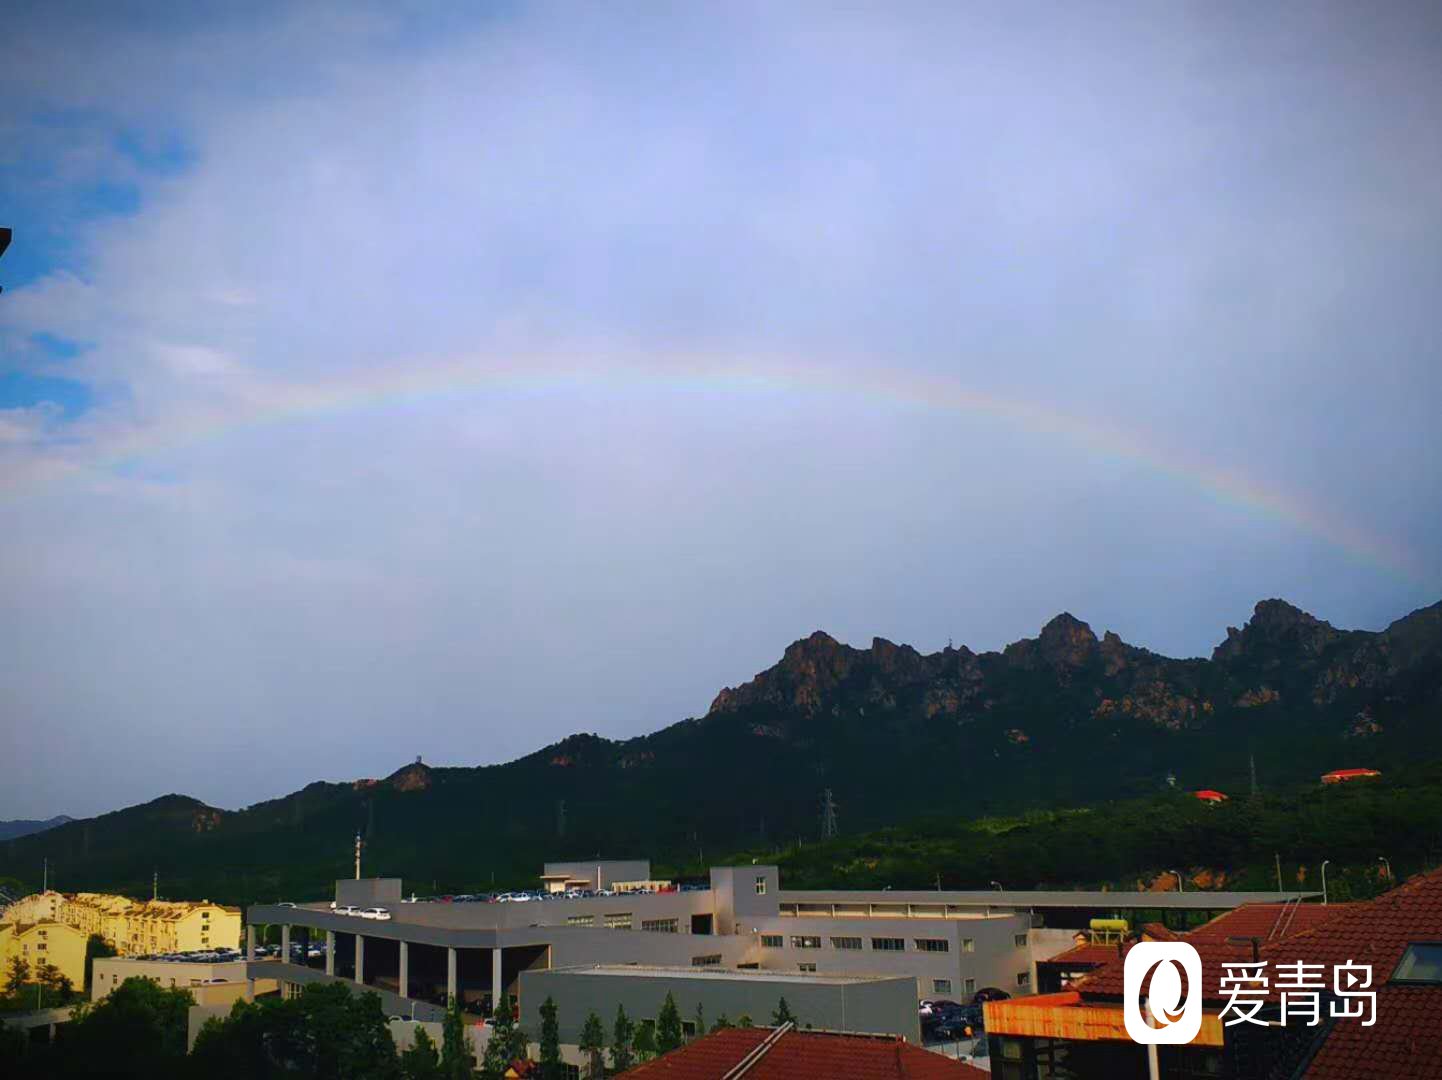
point(1180, 886)
point(1324, 881)
point(997, 886)
point(1383, 860)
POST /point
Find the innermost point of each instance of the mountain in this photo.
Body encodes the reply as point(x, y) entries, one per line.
point(23, 827)
point(1062, 719)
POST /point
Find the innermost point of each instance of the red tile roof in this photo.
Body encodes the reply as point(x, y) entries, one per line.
point(1085, 954)
point(1270, 922)
point(1406, 1039)
point(804, 1055)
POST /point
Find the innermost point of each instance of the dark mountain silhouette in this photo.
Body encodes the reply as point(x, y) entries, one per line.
point(1065, 718)
point(22, 827)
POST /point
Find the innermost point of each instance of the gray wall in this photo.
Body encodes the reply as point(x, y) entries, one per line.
point(876, 1005)
point(736, 900)
point(368, 892)
point(996, 959)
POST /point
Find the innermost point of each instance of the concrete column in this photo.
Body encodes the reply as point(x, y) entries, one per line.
point(450, 974)
point(285, 943)
point(405, 980)
point(330, 952)
point(496, 988)
point(360, 959)
point(250, 941)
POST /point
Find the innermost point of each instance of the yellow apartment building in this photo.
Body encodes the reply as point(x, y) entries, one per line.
point(135, 927)
point(44, 942)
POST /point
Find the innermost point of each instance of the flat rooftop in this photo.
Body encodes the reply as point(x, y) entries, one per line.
point(1050, 898)
point(657, 971)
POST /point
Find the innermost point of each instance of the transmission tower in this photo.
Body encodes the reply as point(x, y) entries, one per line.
point(828, 815)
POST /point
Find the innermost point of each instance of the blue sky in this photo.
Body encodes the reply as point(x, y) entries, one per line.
point(428, 382)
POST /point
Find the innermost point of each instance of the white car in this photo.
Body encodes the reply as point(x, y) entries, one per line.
point(349, 909)
point(375, 913)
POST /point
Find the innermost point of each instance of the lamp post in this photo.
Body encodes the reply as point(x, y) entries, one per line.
point(997, 886)
point(1383, 860)
point(1181, 887)
point(1324, 881)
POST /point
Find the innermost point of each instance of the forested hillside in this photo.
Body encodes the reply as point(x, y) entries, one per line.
point(1059, 721)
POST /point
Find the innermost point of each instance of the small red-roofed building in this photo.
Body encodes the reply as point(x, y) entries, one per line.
point(1344, 776)
point(787, 1054)
point(1208, 795)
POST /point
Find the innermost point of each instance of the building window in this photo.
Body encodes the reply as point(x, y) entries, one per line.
point(1020, 941)
point(1421, 963)
point(1023, 978)
point(971, 986)
point(711, 960)
point(620, 920)
point(805, 967)
point(933, 944)
point(580, 920)
point(968, 944)
point(941, 986)
point(688, 1028)
point(805, 941)
point(659, 926)
point(761, 886)
point(771, 941)
point(888, 944)
point(846, 943)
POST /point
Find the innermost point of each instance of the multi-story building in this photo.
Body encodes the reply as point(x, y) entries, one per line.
point(947, 944)
point(136, 927)
point(44, 942)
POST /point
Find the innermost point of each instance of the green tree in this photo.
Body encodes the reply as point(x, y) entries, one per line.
point(623, 1034)
point(95, 946)
point(745, 1021)
point(722, 1022)
point(593, 1042)
point(668, 1026)
point(138, 1030)
point(782, 1015)
point(551, 1065)
point(644, 1042)
point(47, 975)
point(455, 1052)
point(507, 1042)
point(700, 1021)
point(421, 1061)
point(17, 975)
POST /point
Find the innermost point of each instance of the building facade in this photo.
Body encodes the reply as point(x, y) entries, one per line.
point(44, 942)
point(136, 927)
point(944, 944)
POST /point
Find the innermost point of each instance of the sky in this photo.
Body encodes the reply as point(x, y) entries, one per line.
point(381, 381)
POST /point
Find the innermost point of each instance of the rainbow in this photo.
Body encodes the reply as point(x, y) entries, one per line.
point(265, 404)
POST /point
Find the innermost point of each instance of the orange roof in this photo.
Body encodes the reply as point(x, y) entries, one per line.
point(1209, 795)
point(1348, 774)
point(804, 1055)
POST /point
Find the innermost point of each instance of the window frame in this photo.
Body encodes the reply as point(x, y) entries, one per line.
point(900, 947)
point(1393, 980)
point(932, 945)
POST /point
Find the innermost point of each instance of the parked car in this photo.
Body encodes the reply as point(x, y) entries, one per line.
point(285, 903)
point(349, 909)
point(989, 993)
point(375, 913)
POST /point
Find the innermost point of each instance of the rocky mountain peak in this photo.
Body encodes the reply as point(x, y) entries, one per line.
point(1277, 624)
point(413, 777)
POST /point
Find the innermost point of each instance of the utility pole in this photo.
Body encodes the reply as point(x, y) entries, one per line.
point(561, 817)
point(45, 876)
point(155, 886)
point(1252, 764)
point(828, 815)
point(357, 855)
point(1278, 857)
